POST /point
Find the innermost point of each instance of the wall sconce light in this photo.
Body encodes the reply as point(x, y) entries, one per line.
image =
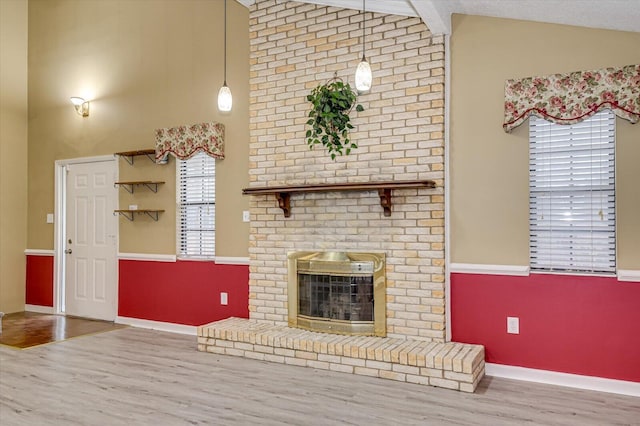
point(225, 100)
point(81, 106)
point(363, 72)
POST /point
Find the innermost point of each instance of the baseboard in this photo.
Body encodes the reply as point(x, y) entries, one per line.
point(231, 260)
point(474, 268)
point(150, 257)
point(39, 252)
point(39, 309)
point(625, 275)
point(563, 379)
point(158, 325)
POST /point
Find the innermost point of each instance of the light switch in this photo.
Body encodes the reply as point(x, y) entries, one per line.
point(513, 325)
point(49, 217)
point(245, 216)
point(224, 299)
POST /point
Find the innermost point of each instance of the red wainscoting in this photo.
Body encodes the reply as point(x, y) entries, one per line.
point(39, 281)
point(182, 292)
point(572, 324)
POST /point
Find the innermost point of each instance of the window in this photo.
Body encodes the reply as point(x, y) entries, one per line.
point(196, 206)
point(572, 195)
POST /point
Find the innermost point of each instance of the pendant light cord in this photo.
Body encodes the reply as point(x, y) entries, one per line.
point(225, 42)
point(364, 24)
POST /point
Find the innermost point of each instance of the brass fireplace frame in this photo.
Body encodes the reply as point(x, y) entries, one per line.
point(344, 264)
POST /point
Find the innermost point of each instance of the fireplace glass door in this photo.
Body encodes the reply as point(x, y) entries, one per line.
point(337, 292)
point(346, 298)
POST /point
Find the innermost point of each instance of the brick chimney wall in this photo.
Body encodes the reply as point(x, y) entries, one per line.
point(295, 47)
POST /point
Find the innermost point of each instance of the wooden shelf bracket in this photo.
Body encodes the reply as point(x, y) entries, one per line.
point(284, 202)
point(385, 200)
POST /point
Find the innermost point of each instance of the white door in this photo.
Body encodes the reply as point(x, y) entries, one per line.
point(90, 240)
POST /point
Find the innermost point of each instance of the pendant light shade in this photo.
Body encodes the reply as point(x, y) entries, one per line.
point(225, 100)
point(363, 72)
point(363, 76)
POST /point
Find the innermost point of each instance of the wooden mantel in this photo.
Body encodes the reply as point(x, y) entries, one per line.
point(283, 193)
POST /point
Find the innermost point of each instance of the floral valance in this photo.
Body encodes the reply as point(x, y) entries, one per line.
point(185, 141)
point(571, 98)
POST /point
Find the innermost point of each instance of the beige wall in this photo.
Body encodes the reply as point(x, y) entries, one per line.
point(144, 65)
point(13, 153)
point(489, 168)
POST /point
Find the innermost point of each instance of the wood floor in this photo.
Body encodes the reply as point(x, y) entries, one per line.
point(141, 377)
point(27, 329)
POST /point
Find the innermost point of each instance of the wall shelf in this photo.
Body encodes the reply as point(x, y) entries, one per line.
point(153, 214)
point(283, 193)
point(129, 186)
point(130, 155)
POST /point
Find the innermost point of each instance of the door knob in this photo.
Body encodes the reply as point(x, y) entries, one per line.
point(68, 251)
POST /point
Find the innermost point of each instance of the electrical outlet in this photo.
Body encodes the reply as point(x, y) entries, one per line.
point(245, 216)
point(224, 298)
point(513, 325)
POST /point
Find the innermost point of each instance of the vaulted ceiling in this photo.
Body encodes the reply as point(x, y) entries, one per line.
point(622, 15)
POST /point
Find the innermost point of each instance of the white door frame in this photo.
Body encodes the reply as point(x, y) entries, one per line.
point(60, 199)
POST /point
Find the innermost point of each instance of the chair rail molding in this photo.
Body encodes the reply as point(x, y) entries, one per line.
point(476, 268)
point(628, 275)
point(39, 252)
point(150, 257)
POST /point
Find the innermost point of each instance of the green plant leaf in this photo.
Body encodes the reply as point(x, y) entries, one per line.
point(329, 117)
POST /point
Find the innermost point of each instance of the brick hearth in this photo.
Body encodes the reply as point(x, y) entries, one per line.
point(448, 365)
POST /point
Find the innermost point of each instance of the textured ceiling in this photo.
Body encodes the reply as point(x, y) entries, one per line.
point(622, 15)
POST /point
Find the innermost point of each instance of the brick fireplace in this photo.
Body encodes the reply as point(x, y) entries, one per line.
point(295, 47)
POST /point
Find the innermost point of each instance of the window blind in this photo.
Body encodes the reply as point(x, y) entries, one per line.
point(196, 207)
point(572, 195)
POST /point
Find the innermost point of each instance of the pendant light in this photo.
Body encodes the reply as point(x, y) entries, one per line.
point(224, 95)
point(363, 72)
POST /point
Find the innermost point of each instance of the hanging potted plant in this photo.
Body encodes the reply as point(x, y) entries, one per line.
point(329, 118)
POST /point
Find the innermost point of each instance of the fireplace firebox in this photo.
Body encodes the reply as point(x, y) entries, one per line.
point(337, 292)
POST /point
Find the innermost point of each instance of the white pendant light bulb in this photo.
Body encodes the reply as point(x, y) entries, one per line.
point(363, 72)
point(225, 100)
point(363, 76)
